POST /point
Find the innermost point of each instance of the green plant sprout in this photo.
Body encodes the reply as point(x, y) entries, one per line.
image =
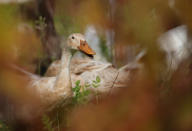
point(48, 124)
point(41, 23)
point(80, 96)
point(96, 83)
point(81, 92)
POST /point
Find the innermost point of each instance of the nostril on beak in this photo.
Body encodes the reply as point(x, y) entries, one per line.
point(83, 42)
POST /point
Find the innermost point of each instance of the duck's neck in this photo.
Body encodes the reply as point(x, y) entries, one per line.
point(66, 58)
point(63, 79)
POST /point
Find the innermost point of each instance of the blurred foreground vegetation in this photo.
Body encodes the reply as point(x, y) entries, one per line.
point(157, 99)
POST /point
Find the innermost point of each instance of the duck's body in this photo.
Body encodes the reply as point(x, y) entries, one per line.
point(86, 70)
point(61, 77)
point(58, 87)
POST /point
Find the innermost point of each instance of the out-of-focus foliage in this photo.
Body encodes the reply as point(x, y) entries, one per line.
point(157, 98)
point(4, 127)
point(18, 45)
point(183, 9)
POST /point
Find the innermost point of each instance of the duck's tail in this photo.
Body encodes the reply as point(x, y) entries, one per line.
point(135, 63)
point(140, 55)
point(29, 74)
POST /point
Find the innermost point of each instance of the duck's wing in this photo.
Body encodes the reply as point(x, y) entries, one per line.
point(105, 71)
point(111, 77)
point(88, 66)
point(77, 66)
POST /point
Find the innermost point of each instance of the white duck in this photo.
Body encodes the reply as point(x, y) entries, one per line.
point(57, 83)
point(86, 70)
point(58, 87)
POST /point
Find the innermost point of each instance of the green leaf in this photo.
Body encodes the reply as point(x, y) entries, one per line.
point(98, 79)
point(94, 81)
point(87, 92)
point(94, 85)
point(77, 83)
point(73, 89)
point(78, 88)
point(87, 85)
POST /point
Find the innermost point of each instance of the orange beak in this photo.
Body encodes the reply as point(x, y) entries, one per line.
point(84, 47)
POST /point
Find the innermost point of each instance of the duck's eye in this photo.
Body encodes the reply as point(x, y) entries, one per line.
point(73, 37)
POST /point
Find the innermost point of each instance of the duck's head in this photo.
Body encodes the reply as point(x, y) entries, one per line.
point(76, 41)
